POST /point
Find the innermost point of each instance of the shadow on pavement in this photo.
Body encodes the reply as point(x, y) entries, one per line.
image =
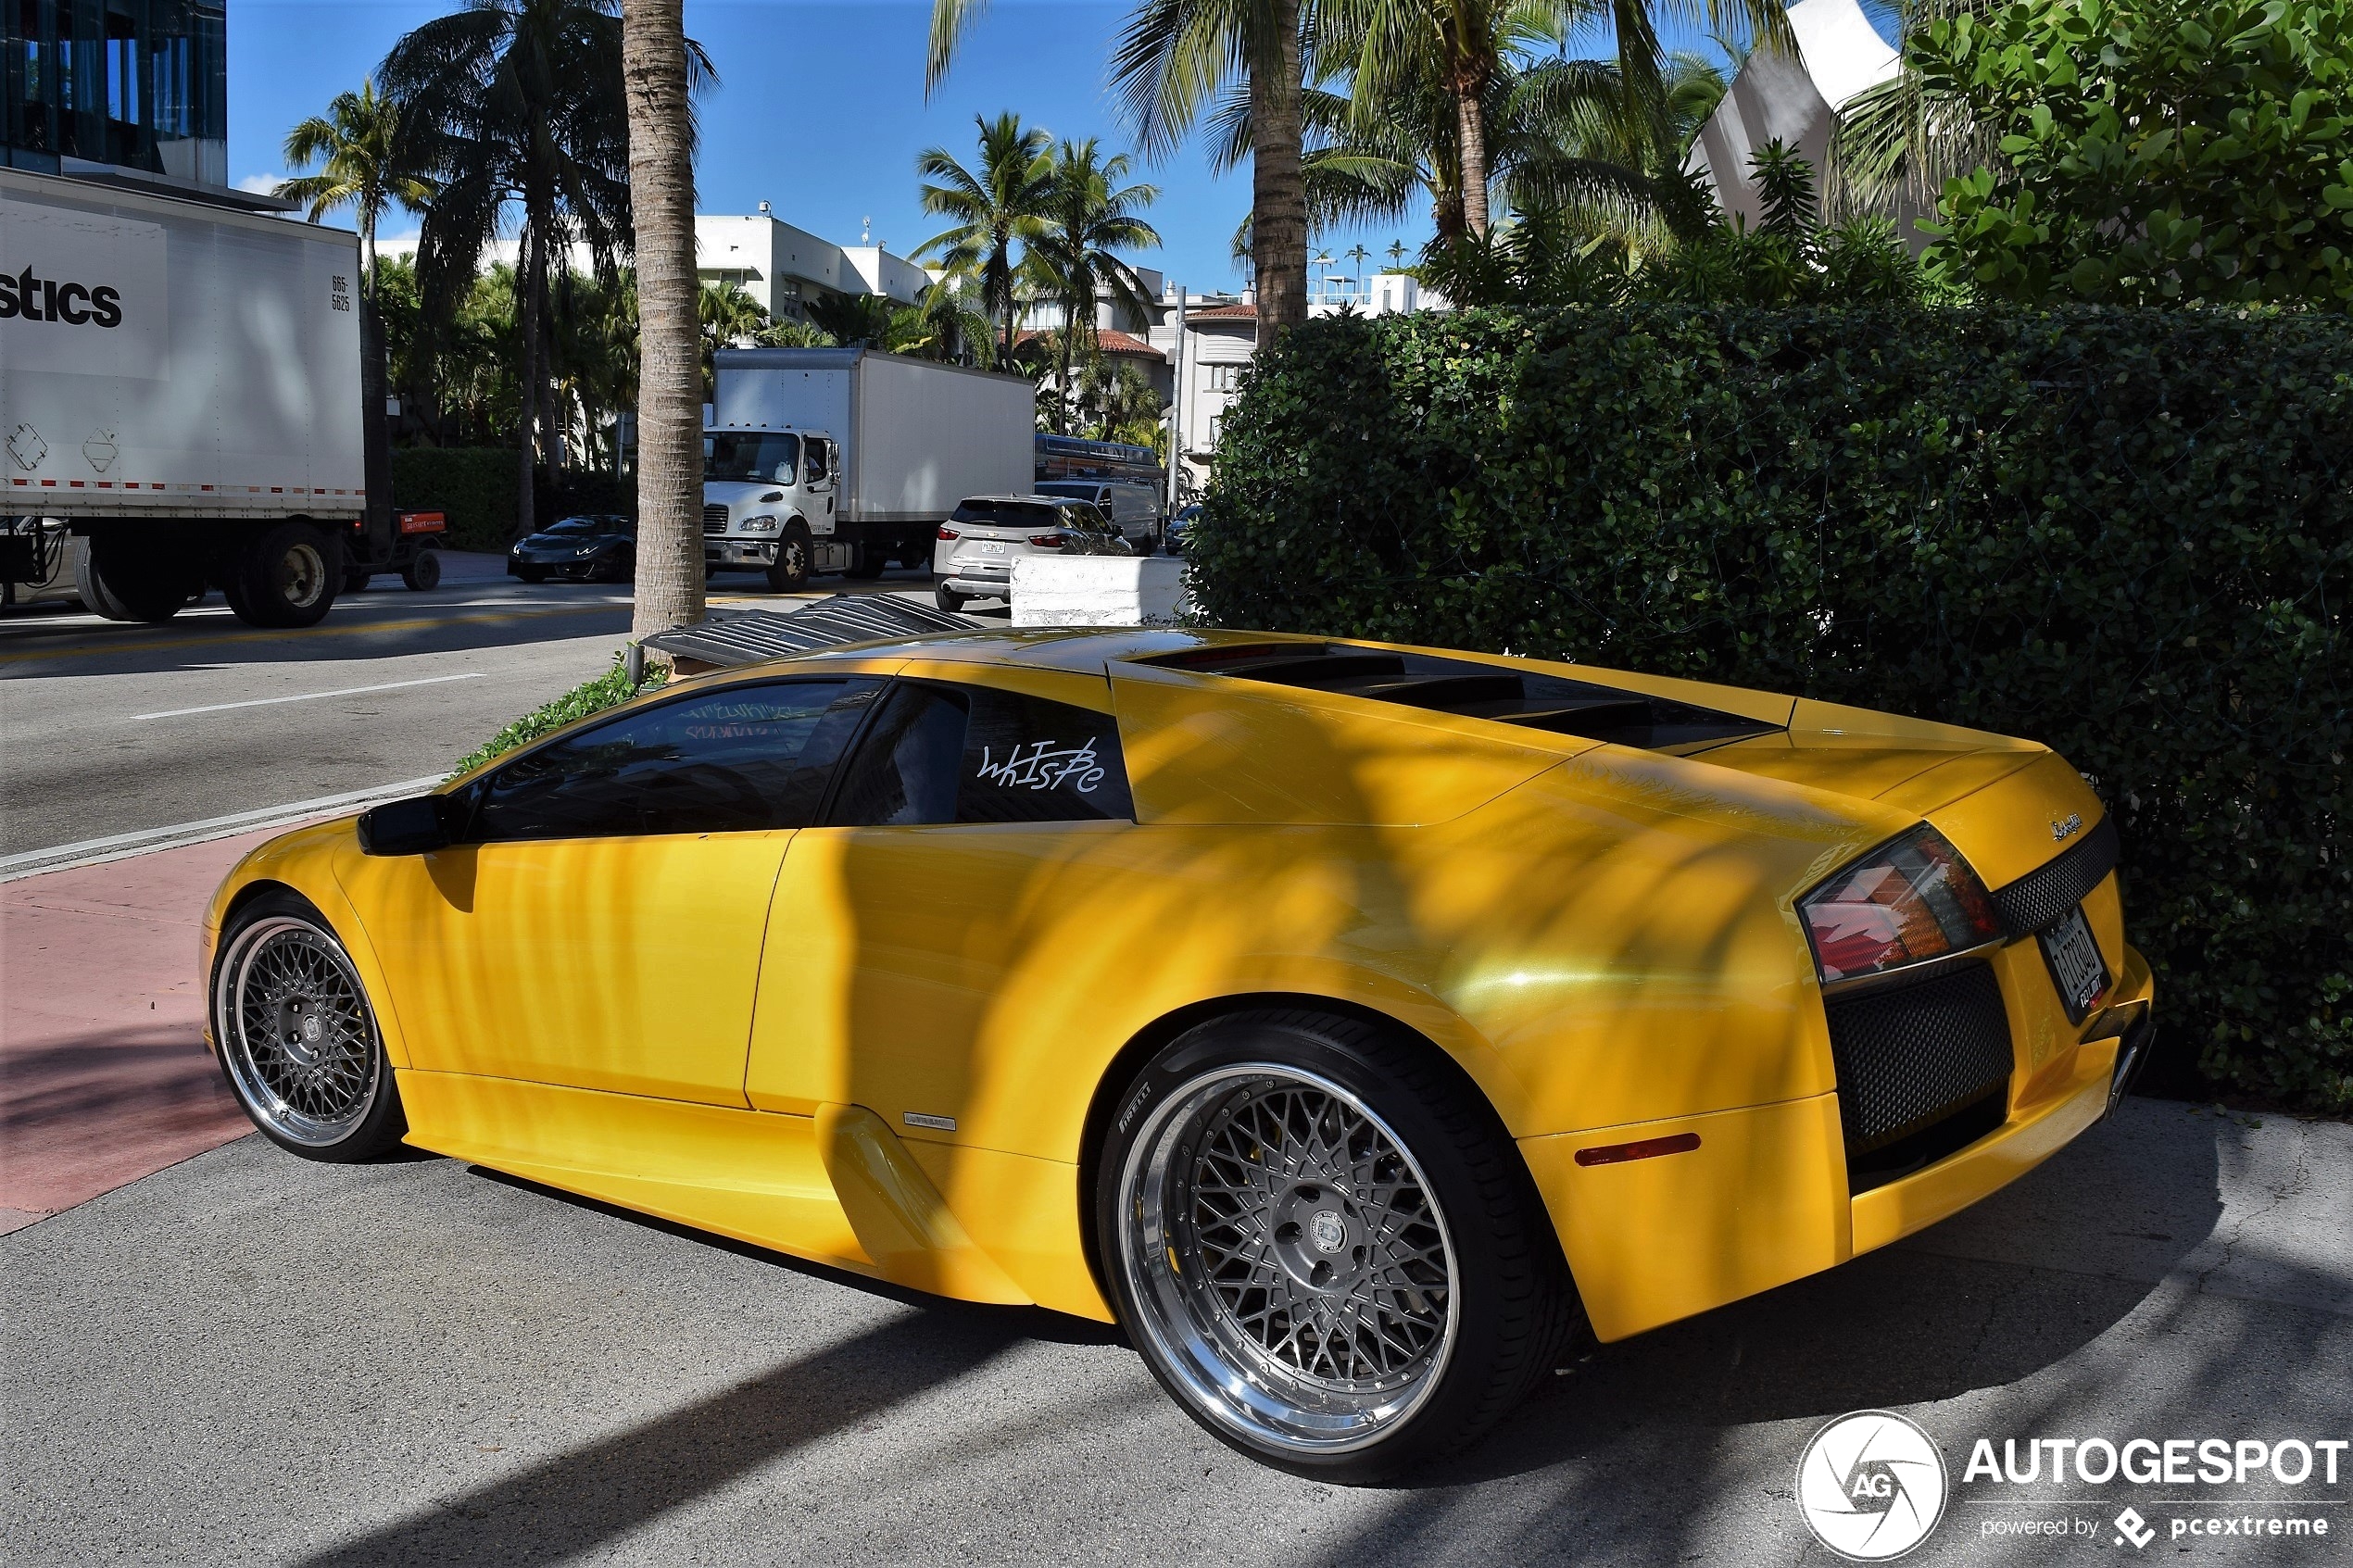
point(575, 1502)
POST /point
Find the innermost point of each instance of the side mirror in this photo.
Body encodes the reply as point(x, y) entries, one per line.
point(404, 827)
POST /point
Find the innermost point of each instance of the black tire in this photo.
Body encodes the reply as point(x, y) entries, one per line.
point(619, 567)
point(356, 580)
point(423, 574)
point(297, 1036)
point(1440, 1377)
point(116, 581)
point(866, 562)
point(795, 552)
point(531, 573)
point(287, 577)
point(947, 599)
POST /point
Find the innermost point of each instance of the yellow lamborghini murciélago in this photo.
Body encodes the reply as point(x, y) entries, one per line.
point(1351, 1023)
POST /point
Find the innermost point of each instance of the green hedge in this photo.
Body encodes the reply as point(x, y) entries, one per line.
point(2126, 534)
point(475, 485)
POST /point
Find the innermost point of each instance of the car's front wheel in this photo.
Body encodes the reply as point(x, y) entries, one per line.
point(1324, 1245)
point(297, 1036)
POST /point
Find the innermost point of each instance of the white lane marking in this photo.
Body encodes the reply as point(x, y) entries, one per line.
point(305, 697)
point(116, 846)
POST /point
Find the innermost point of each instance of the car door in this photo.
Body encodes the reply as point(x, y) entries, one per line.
point(601, 925)
point(900, 924)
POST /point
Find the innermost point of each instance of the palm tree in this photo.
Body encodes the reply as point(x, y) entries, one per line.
point(1404, 50)
point(1000, 205)
point(1174, 62)
point(517, 105)
point(660, 66)
point(1090, 213)
point(726, 316)
point(364, 169)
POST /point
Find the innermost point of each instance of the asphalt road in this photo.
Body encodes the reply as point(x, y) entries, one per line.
point(112, 729)
point(249, 1358)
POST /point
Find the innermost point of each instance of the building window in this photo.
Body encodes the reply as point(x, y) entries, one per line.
point(1223, 378)
point(137, 83)
point(1215, 423)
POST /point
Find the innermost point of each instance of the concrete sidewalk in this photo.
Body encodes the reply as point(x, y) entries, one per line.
point(104, 1076)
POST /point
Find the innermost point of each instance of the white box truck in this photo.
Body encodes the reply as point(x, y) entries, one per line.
point(845, 460)
point(179, 386)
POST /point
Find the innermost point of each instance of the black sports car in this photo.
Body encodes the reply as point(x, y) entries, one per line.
point(598, 548)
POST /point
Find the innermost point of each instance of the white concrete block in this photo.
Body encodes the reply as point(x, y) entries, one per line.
point(1097, 590)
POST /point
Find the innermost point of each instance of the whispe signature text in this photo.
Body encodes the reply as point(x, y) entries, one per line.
point(1043, 764)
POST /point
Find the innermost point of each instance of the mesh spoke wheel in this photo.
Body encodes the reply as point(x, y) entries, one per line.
point(296, 1032)
point(1291, 1260)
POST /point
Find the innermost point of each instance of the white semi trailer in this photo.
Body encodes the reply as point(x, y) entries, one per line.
point(845, 459)
point(180, 384)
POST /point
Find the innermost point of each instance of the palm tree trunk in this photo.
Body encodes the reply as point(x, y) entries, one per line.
point(527, 382)
point(661, 188)
point(1470, 129)
point(1279, 191)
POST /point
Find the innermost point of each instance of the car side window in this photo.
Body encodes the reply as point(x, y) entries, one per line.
point(821, 461)
point(937, 754)
point(743, 760)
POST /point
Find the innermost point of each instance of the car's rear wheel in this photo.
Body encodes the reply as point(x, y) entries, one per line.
point(297, 1036)
point(1324, 1245)
point(423, 574)
point(947, 599)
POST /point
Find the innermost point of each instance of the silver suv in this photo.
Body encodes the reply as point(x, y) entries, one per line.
point(977, 545)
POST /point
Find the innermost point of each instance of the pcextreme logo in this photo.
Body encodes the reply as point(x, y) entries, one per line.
point(1871, 1485)
point(62, 300)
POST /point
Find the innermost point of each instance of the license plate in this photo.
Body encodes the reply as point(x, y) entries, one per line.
point(2077, 967)
point(991, 547)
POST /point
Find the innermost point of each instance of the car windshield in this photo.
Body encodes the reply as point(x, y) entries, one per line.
point(1010, 514)
point(750, 454)
point(575, 525)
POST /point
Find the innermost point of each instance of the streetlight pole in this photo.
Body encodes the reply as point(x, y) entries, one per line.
point(1177, 407)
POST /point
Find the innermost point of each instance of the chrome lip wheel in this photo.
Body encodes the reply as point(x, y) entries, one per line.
point(1289, 1259)
point(296, 1032)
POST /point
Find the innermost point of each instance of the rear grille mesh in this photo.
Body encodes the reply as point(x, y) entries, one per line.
point(2049, 891)
point(714, 518)
point(1911, 1056)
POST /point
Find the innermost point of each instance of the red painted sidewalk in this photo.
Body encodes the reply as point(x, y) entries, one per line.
point(104, 1076)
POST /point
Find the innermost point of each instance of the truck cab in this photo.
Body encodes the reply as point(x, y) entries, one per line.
point(770, 499)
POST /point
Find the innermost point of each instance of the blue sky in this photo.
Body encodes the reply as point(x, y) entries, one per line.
point(819, 110)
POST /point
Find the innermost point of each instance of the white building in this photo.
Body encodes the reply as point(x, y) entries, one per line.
point(1220, 338)
point(784, 268)
point(780, 266)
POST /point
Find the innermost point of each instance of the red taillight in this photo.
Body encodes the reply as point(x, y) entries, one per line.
point(947, 532)
point(1050, 540)
point(1913, 899)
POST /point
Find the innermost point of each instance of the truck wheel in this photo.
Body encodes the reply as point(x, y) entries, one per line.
point(355, 580)
point(114, 582)
point(866, 562)
point(794, 552)
point(948, 598)
point(286, 577)
point(424, 571)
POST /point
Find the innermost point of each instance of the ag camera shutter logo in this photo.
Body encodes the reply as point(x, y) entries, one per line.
point(1871, 1485)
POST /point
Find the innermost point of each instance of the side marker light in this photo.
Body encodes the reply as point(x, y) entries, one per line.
point(1647, 1149)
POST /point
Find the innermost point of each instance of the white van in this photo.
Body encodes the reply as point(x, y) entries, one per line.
point(1133, 508)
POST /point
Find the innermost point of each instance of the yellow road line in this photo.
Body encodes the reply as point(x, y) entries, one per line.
point(174, 644)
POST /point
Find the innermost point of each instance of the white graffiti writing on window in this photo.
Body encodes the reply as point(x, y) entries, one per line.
point(1043, 764)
